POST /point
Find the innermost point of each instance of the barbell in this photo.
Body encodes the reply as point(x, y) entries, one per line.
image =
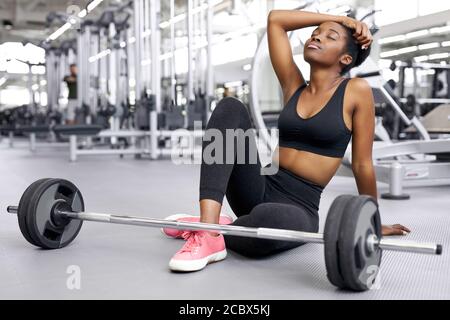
point(51, 212)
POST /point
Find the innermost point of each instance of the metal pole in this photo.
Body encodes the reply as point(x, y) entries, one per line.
point(146, 43)
point(209, 66)
point(400, 114)
point(190, 78)
point(172, 51)
point(87, 75)
point(156, 52)
point(11, 139)
point(401, 92)
point(80, 67)
point(49, 75)
point(73, 148)
point(410, 246)
point(111, 71)
point(129, 71)
point(32, 142)
point(194, 37)
point(155, 77)
point(39, 90)
point(30, 87)
point(119, 77)
point(396, 179)
point(57, 64)
point(263, 233)
point(137, 7)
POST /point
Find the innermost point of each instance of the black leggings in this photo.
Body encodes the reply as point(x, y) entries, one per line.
point(280, 201)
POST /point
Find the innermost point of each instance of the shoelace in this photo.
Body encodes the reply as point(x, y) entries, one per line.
point(192, 241)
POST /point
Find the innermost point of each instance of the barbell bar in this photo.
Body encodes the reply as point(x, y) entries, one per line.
point(262, 233)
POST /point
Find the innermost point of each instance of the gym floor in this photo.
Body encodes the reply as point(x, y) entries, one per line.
point(126, 262)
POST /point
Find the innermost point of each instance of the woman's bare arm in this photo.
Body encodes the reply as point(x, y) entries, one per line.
point(279, 23)
point(363, 135)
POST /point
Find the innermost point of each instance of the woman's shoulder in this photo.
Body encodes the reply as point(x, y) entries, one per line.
point(359, 92)
point(358, 84)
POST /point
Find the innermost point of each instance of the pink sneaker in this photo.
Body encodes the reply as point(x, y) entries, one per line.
point(175, 233)
point(200, 249)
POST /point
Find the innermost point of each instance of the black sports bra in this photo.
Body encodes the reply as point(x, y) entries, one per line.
point(325, 133)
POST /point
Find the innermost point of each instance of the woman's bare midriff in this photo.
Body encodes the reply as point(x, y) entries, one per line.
point(312, 167)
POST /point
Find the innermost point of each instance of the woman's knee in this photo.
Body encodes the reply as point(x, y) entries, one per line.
point(230, 102)
point(271, 215)
point(284, 216)
point(229, 107)
point(249, 247)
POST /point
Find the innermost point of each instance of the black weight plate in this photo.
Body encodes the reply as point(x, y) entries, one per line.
point(23, 209)
point(358, 265)
point(41, 224)
point(29, 216)
point(331, 236)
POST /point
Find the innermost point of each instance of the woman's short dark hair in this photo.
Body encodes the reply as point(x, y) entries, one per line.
point(354, 50)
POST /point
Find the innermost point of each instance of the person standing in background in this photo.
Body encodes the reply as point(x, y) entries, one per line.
point(71, 81)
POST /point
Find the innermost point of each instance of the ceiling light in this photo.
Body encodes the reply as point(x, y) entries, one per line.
point(440, 30)
point(233, 84)
point(60, 31)
point(398, 52)
point(428, 46)
point(392, 39)
point(93, 4)
point(417, 34)
point(67, 25)
point(421, 59)
point(439, 56)
point(100, 55)
point(82, 13)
